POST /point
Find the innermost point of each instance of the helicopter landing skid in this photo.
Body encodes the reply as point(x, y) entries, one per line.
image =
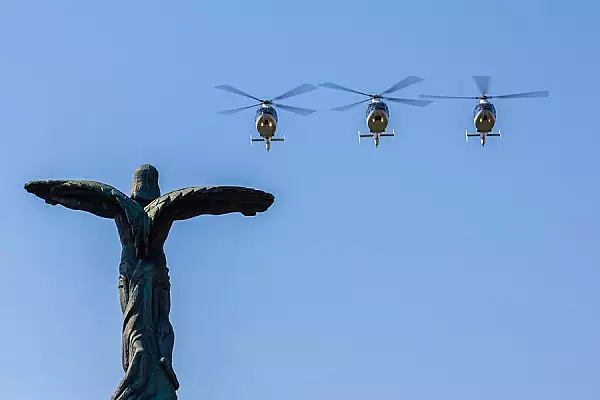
point(482, 135)
point(266, 140)
point(375, 136)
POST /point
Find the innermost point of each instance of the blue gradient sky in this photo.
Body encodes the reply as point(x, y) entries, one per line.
point(426, 269)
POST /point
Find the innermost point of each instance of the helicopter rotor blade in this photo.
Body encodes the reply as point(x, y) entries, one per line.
point(349, 106)
point(483, 83)
point(236, 110)
point(334, 86)
point(430, 96)
point(231, 89)
point(418, 103)
point(297, 110)
point(306, 87)
point(525, 95)
point(409, 80)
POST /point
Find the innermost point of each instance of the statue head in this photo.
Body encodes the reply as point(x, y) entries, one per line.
point(145, 187)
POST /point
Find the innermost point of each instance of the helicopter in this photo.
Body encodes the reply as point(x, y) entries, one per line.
point(377, 113)
point(484, 114)
point(266, 118)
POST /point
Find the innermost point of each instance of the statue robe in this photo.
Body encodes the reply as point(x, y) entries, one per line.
point(144, 287)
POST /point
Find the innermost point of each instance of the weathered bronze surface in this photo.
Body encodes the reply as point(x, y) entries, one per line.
point(143, 222)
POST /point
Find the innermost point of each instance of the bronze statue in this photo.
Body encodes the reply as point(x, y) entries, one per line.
point(143, 221)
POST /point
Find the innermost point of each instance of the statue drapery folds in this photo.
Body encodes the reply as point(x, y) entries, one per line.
point(143, 222)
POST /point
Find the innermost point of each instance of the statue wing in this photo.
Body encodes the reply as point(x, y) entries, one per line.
point(94, 197)
point(207, 200)
point(212, 200)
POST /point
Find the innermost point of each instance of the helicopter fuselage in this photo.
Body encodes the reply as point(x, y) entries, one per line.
point(266, 121)
point(484, 116)
point(377, 116)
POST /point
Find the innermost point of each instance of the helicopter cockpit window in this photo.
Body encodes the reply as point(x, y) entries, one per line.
point(265, 110)
point(490, 107)
point(379, 106)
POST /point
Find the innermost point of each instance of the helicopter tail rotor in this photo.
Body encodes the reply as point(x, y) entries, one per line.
point(483, 84)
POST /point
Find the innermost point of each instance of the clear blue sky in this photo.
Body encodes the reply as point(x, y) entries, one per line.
point(426, 269)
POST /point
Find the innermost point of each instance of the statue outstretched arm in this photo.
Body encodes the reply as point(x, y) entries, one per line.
point(208, 200)
point(94, 197)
